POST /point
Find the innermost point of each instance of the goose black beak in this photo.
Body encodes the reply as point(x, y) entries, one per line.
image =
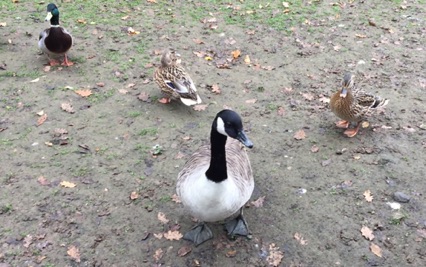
point(242, 137)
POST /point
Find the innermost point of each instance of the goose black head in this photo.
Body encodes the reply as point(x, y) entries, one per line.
point(229, 123)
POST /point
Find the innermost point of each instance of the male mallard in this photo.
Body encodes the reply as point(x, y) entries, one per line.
point(217, 180)
point(353, 106)
point(55, 41)
point(174, 82)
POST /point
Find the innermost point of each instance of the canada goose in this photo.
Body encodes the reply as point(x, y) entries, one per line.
point(217, 179)
point(174, 82)
point(55, 41)
point(353, 105)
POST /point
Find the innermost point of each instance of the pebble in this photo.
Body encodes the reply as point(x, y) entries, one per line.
point(401, 197)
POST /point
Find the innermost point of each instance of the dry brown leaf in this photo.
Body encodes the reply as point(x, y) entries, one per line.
point(236, 54)
point(251, 101)
point(43, 181)
point(159, 252)
point(82, 21)
point(300, 238)
point(176, 198)
point(123, 91)
point(259, 202)
point(280, 111)
point(46, 68)
point(74, 253)
point(314, 149)
point(67, 107)
point(143, 97)
point(125, 17)
point(67, 184)
point(367, 195)
point(158, 236)
point(152, 1)
point(376, 250)
point(200, 107)
point(184, 251)
point(134, 195)
point(173, 235)
point(308, 96)
point(83, 92)
point(28, 240)
point(216, 89)
point(367, 233)
point(275, 255)
point(162, 217)
point(231, 253)
point(100, 84)
point(131, 31)
point(299, 135)
point(42, 119)
point(198, 41)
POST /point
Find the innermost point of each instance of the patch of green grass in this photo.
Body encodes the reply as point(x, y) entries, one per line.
point(148, 131)
point(6, 209)
point(101, 96)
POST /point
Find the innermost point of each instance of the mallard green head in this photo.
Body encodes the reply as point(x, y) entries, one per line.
point(52, 14)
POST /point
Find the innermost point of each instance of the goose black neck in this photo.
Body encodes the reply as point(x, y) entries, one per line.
point(54, 20)
point(217, 171)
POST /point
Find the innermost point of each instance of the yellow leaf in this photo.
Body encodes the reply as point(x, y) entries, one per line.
point(247, 59)
point(365, 124)
point(236, 54)
point(84, 92)
point(208, 58)
point(67, 184)
point(376, 250)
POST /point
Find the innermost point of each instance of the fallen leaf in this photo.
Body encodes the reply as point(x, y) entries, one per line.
point(143, 97)
point(367, 195)
point(67, 107)
point(360, 35)
point(35, 80)
point(173, 235)
point(300, 238)
point(123, 91)
point(42, 119)
point(184, 251)
point(82, 21)
point(367, 233)
point(74, 253)
point(216, 89)
point(159, 252)
point(259, 202)
point(40, 113)
point(125, 17)
point(48, 143)
point(176, 198)
point(308, 96)
point(299, 135)
point(162, 217)
point(275, 255)
point(314, 149)
point(247, 59)
point(132, 31)
point(324, 99)
point(100, 84)
point(3, 24)
point(376, 250)
point(43, 181)
point(83, 92)
point(236, 54)
point(251, 101)
point(28, 240)
point(134, 195)
point(131, 85)
point(280, 111)
point(158, 236)
point(67, 184)
point(152, 1)
point(199, 107)
point(365, 124)
point(394, 205)
point(198, 41)
point(46, 68)
point(231, 253)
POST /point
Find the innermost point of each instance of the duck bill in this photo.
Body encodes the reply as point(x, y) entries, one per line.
point(49, 16)
point(242, 137)
point(344, 92)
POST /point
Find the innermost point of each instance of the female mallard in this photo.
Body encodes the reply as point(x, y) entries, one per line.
point(174, 82)
point(55, 41)
point(353, 106)
point(217, 180)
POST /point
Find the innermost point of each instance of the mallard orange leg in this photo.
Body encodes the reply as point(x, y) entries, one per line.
point(342, 124)
point(67, 62)
point(53, 62)
point(352, 132)
point(164, 100)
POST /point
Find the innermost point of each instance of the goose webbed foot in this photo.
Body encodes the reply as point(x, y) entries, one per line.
point(238, 226)
point(199, 234)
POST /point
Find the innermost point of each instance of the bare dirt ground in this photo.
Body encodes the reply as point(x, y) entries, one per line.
point(83, 188)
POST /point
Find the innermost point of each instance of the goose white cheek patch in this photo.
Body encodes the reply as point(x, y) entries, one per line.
point(220, 126)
